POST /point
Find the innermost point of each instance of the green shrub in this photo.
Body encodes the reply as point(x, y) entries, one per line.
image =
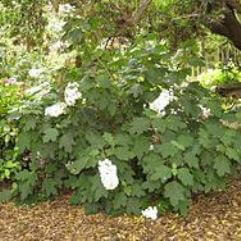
point(159, 159)
point(217, 77)
point(9, 163)
point(10, 97)
point(98, 135)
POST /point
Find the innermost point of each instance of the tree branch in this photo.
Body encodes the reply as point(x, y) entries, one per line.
point(229, 26)
point(136, 17)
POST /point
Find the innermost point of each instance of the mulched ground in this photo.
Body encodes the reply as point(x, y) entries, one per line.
point(216, 217)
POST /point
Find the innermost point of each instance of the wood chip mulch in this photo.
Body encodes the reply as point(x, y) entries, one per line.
point(216, 217)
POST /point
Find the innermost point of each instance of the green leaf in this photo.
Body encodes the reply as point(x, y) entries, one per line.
point(178, 145)
point(77, 166)
point(141, 146)
point(185, 176)
point(123, 153)
point(191, 160)
point(167, 149)
point(120, 200)
point(204, 139)
point(163, 173)
point(49, 186)
point(30, 124)
point(159, 124)
point(5, 196)
point(222, 165)
point(228, 137)
point(174, 123)
point(104, 81)
point(109, 138)
point(185, 140)
point(175, 192)
point(98, 190)
point(232, 154)
point(151, 186)
point(139, 125)
point(133, 206)
point(24, 141)
point(66, 141)
point(137, 191)
point(215, 128)
point(95, 139)
point(50, 134)
point(123, 139)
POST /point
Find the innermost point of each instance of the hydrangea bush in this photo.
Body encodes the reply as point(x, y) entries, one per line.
point(124, 138)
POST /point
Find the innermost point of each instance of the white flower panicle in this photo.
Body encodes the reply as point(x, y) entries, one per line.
point(35, 73)
point(150, 212)
point(108, 174)
point(72, 94)
point(162, 101)
point(55, 110)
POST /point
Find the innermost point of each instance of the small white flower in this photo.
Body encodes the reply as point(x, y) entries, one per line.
point(162, 101)
point(151, 148)
point(55, 110)
point(206, 112)
point(35, 73)
point(66, 8)
point(150, 212)
point(108, 174)
point(72, 94)
point(11, 81)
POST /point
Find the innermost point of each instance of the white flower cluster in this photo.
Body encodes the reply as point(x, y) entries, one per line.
point(162, 101)
point(108, 174)
point(56, 25)
point(72, 94)
point(55, 110)
point(150, 212)
point(57, 46)
point(35, 73)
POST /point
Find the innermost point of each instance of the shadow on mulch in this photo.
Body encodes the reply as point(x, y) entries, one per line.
point(216, 217)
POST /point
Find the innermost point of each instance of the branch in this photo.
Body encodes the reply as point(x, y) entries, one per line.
point(234, 4)
point(136, 17)
point(228, 27)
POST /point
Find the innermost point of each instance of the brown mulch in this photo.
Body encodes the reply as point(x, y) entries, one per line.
point(216, 217)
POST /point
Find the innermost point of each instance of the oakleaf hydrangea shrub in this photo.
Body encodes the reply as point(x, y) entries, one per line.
point(103, 136)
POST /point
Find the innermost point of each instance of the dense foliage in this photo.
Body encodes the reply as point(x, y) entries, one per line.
point(10, 96)
point(114, 120)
